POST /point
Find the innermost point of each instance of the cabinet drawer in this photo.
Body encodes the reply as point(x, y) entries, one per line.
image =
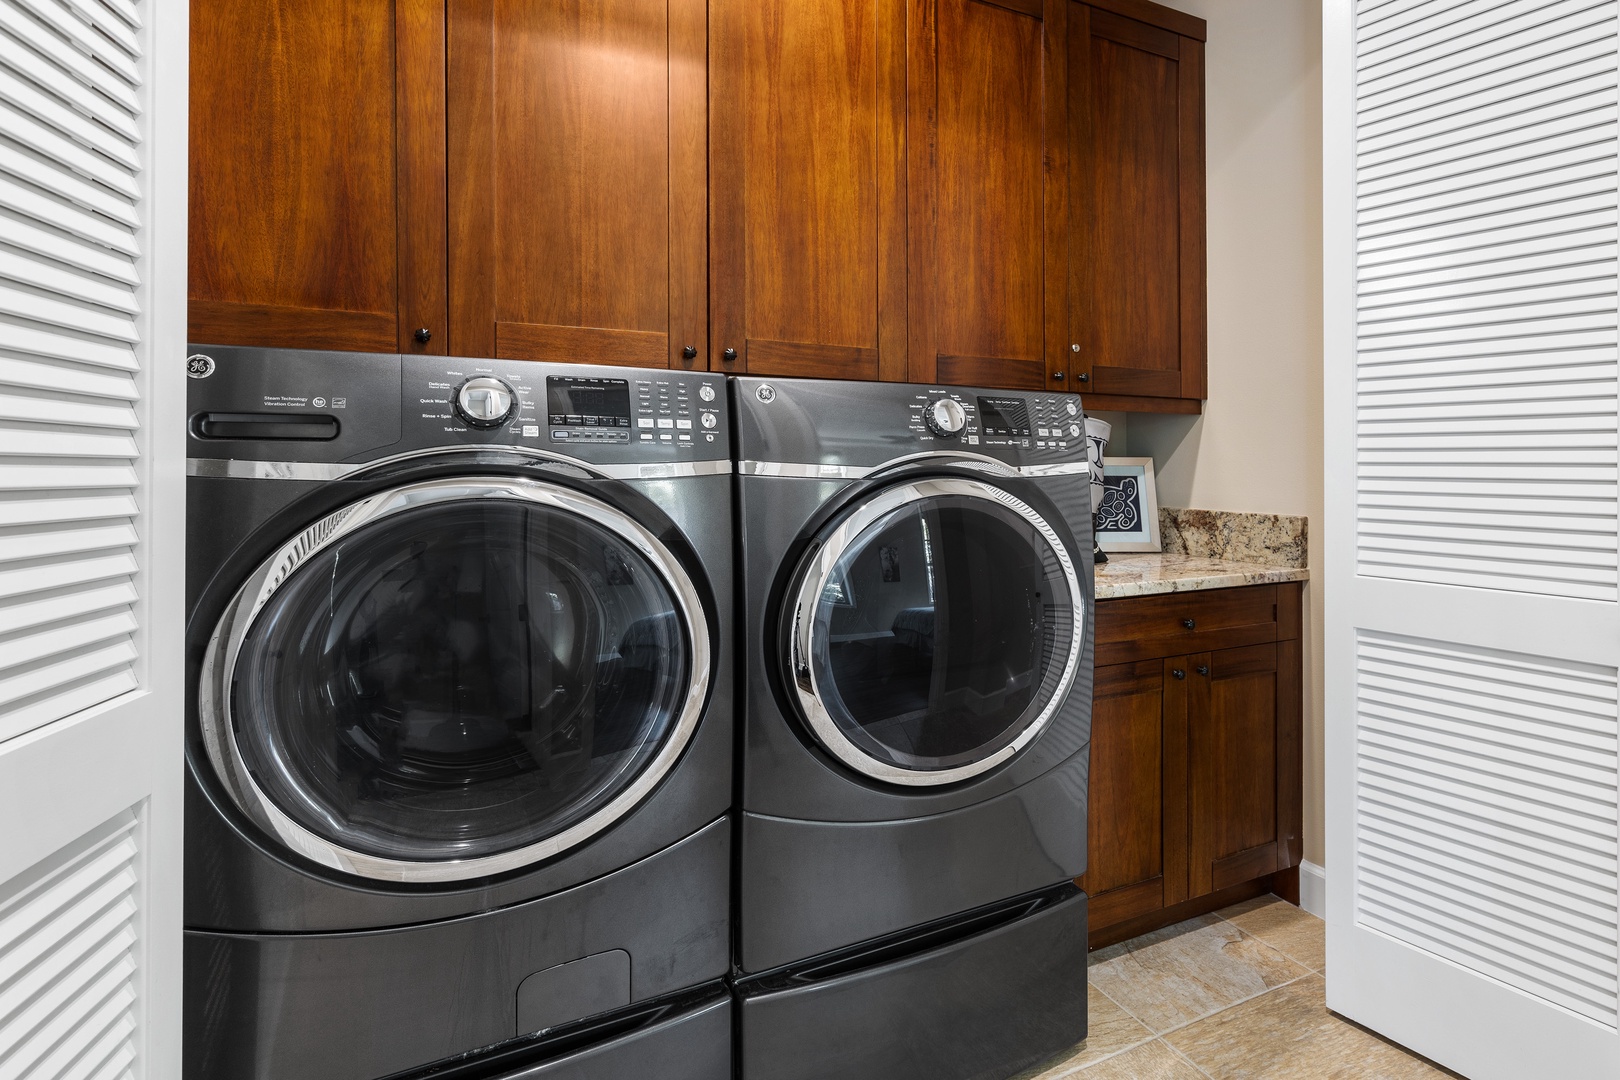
point(1144, 627)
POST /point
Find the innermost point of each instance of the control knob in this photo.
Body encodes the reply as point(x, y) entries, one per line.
point(484, 401)
point(709, 420)
point(946, 417)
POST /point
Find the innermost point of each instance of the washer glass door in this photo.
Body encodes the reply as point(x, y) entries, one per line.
point(937, 629)
point(455, 678)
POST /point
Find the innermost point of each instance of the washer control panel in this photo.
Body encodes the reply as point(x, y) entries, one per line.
point(676, 410)
point(484, 401)
point(644, 415)
point(1026, 421)
point(581, 410)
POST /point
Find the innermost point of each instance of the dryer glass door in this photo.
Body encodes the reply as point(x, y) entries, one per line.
point(455, 678)
point(936, 631)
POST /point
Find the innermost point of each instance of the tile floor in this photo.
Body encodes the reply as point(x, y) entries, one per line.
point(1233, 996)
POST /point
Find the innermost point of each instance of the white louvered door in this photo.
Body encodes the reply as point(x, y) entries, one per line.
point(1471, 185)
point(92, 348)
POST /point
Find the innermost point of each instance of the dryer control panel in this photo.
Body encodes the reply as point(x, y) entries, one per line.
point(856, 425)
point(977, 419)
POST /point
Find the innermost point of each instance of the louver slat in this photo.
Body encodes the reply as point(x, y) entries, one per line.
point(69, 311)
point(1486, 297)
point(69, 933)
point(1484, 838)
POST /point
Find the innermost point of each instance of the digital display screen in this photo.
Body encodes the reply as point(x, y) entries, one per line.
point(1003, 416)
point(588, 402)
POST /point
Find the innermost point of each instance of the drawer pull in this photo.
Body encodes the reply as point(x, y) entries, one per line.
point(1202, 670)
point(1178, 673)
point(1189, 623)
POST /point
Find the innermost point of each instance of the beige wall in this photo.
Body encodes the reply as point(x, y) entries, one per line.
point(1258, 445)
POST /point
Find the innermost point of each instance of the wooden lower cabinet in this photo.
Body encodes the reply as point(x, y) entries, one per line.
point(1195, 754)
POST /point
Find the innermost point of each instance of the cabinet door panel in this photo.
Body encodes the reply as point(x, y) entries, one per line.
point(807, 234)
point(1136, 822)
point(1127, 750)
point(1137, 273)
point(317, 173)
point(986, 271)
point(1232, 766)
point(577, 135)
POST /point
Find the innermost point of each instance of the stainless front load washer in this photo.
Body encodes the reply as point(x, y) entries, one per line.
point(917, 605)
point(460, 738)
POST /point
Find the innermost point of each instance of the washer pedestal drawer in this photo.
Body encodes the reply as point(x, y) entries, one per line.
point(357, 1006)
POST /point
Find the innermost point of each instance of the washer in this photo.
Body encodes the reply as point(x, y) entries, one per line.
point(916, 631)
point(460, 737)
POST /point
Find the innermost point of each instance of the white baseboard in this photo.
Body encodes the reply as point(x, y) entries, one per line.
point(1313, 889)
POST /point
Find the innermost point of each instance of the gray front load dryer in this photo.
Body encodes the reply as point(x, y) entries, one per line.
point(916, 590)
point(460, 733)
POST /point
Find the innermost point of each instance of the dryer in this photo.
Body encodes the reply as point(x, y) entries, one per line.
point(460, 736)
point(916, 590)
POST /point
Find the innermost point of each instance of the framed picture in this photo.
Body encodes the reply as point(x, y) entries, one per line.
point(1128, 519)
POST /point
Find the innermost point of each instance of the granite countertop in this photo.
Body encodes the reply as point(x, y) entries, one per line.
point(1127, 574)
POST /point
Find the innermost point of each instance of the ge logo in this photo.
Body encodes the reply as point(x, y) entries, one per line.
point(766, 394)
point(199, 366)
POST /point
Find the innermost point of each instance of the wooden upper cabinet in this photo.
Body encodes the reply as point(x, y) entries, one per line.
point(317, 173)
point(807, 187)
point(1136, 109)
point(577, 135)
point(996, 192)
point(986, 192)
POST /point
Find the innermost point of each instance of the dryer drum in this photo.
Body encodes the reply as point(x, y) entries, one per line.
point(934, 631)
point(454, 679)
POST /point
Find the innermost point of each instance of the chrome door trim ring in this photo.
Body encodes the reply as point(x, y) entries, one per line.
point(250, 469)
point(818, 568)
point(220, 659)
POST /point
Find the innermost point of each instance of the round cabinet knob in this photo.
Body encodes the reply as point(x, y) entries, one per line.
point(423, 335)
point(1189, 623)
point(946, 417)
point(729, 356)
point(484, 401)
point(689, 353)
point(708, 420)
point(1178, 673)
point(1202, 669)
point(1074, 431)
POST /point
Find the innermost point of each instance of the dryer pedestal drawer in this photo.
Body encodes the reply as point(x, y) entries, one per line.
point(978, 1008)
point(808, 887)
